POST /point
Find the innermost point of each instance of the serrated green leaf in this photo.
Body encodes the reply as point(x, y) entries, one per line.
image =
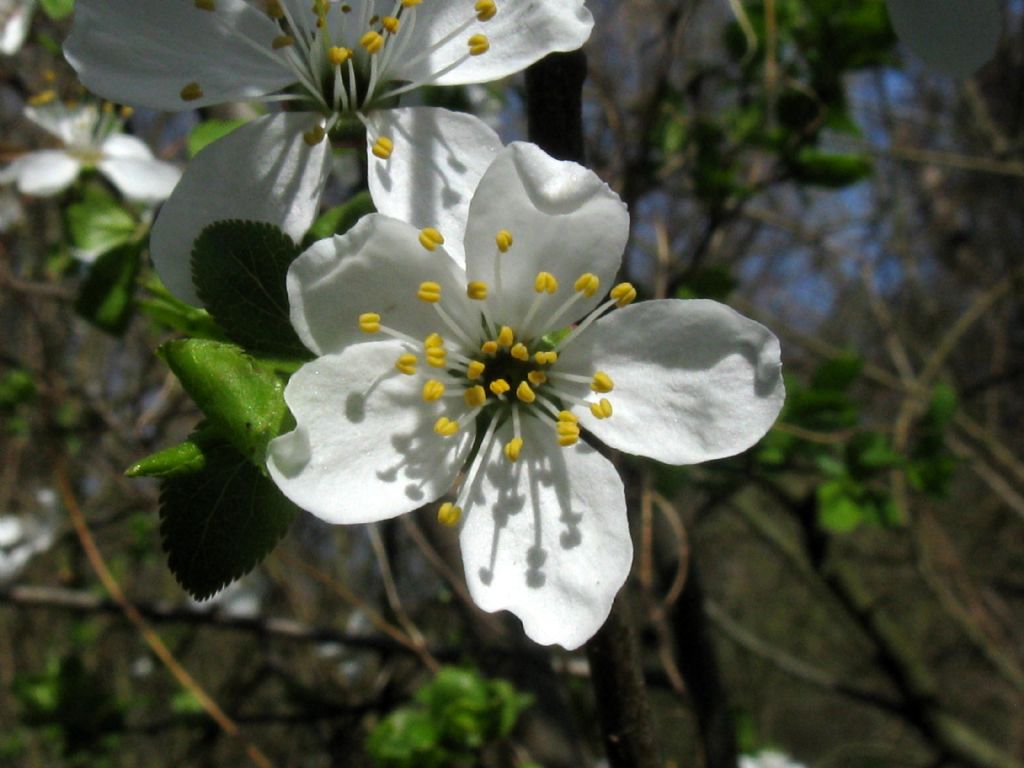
point(98, 224)
point(57, 9)
point(242, 398)
point(341, 218)
point(219, 523)
point(239, 270)
point(208, 132)
point(105, 296)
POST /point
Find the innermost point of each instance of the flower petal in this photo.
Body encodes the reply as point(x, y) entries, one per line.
point(694, 380)
point(520, 34)
point(547, 537)
point(363, 450)
point(42, 173)
point(563, 220)
point(263, 171)
point(15, 27)
point(143, 52)
point(130, 165)
point(436, 164)
point(377, 266)
point(73, 126)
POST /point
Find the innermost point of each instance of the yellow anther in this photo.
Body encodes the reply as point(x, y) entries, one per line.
point(372, 41)
point(126, 112)
point(314, 135)
point(505, 337)
point(282, 41)
point(478, 44)
point(623, 293)
point(485, 9)
point(520, 352)
point(477, 290)
point(429, 292)
point(546, 358)
point(43, 97)
point(274, 9)
point(567, 428)
point(448, 514)
point(513, 448)
point(475, 369)
point(50, 75)
point(567, 416)
point(206, 5)
point(504, 240)
point(587, 284)
point(602, 383)
point(432, 390)
point(499, 387)
point(410, 3)
point(489, 347)
point(537, 377)
point(430, 238)
point(339, 55)
point(390, 23)
point(406, 364)
point(433, 340)
point(446, 427)
point(191, 92)
point(369, 322)
point(601, 409)
point(107, 107)
point(545, 283)
point(383, 147)
point(475, 396)
point(524, 393)
point(436, 356)
point(567, 440)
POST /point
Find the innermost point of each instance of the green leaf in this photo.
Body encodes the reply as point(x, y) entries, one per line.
point(105, 297)
point(57, 9)
point(839, 373)
point(837, 510)
point(711, 283)
point(166, 309)
point(185, 458)
point(239, 269)
point(208, 132)
point(943, 406)
point(98, 224)
point(219, 523)
point(825, 169)
point(340, 219)
point(242, 398)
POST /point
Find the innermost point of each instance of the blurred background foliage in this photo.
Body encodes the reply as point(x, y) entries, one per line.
point(849, 591)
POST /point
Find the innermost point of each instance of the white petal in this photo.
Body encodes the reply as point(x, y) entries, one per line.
point(563, 219)
point(363, 452)
point(263, 171)
point(520, 34)
point(143, 52)
point(148, 181)
point(377, 266)
point(954, 37)
point(123, 146)
point(438, 160)
point(74, 126)
point(15, 27)
point(547, 537)
point(694, 380)
point(42, 173)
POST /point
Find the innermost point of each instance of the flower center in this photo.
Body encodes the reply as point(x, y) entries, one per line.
point(497, 373)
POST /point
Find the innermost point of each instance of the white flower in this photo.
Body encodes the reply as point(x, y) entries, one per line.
point(332, 59)
point(23, 536)
point(15, 20)
point(768, 759)
point(90, 137)
point(470, 392)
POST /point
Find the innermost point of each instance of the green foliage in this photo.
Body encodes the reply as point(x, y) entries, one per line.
point(218, 523)
point(454, 716)
point(932, 465)
point(168, 310)
point(98, 223)
point(708, 283)
point(76, 707)
point(242, 397)
point(16, 387)
point(208, 132)
point(57, 9)
point(105, 296)
point(239, 269)
point(341, 218)
point(185, 458)
point(827, 169)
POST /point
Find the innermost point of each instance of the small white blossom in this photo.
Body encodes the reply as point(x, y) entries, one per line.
point(15, 20)
point(768, 759)
point(502, 344)
point(89, 137)
point(331, 60)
